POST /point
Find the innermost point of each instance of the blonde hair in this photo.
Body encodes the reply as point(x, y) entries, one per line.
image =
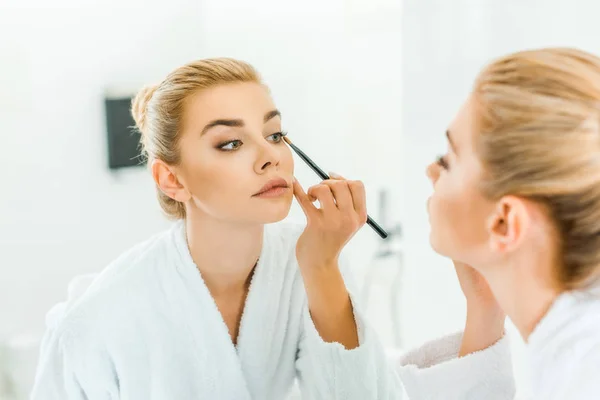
point(538, 113)
point(158, 110)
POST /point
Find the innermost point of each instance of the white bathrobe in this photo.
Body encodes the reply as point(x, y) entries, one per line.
point(563, 352)
point(148, 329)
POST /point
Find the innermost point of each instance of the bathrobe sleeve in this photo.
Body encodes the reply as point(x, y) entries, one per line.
point(64, 369)
point(434, 372)
point(55, 378)
point(328, 371)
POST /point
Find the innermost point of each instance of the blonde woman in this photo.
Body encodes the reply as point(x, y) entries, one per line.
point(226, 305)
point(517, 197)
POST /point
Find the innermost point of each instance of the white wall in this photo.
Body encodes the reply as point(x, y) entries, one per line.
point(334, 69)
point(62, 212)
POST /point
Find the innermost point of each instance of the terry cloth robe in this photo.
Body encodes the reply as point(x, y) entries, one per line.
point(148, 329)
point(563, 354)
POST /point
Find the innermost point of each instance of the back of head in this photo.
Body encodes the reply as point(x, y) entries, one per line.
point(539, 138)
point(158, 110)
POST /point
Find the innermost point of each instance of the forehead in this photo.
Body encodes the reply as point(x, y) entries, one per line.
point(245, 100)
point(462, 127)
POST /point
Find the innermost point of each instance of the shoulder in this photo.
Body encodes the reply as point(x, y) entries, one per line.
point(567, 340)
point(96, 303)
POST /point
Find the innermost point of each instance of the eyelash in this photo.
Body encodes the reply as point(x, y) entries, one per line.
point(443, 162)
point(221, 146)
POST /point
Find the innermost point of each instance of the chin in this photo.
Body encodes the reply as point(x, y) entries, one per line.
point(274, 212)
point(447, 248)
point(436, 244)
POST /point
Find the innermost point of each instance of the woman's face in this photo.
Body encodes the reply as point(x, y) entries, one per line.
point(231, 148)
point(459, 214)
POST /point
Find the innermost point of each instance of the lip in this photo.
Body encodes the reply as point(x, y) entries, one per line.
point(274, 186)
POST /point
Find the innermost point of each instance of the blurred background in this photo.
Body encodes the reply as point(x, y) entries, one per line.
point(366, 88)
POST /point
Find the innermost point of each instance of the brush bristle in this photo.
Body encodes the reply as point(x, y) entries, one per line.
point(287, 140)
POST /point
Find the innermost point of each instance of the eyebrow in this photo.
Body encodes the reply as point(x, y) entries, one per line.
point(451, 142)
point(237, 123)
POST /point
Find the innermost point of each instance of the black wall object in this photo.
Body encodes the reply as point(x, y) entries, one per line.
point(123, 139)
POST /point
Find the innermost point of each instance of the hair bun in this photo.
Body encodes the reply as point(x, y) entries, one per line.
point(139, 106)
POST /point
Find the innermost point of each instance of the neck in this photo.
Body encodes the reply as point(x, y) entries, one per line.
point(224, 252)
point(524, 293)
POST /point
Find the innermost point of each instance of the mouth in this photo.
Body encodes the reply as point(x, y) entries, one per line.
point(273, 188)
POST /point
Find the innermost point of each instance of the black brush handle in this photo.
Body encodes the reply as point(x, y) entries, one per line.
point(310, 162)
point(374, 225)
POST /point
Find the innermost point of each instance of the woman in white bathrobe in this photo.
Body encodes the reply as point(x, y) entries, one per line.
point(225, 305)
point(517, 197)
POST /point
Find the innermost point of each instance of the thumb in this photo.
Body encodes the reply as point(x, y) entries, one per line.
point(303, 199)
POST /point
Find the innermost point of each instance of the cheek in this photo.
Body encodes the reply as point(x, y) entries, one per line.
point(287, 159)
point(458, 224)
point(449, 219)
point(441, 207)
point(212, 178)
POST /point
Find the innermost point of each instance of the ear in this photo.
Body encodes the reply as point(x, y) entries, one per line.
point(167, 181)
point(509, 224)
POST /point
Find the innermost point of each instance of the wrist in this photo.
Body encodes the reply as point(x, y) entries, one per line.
point(326, 290)
point(483, 328)
point(319, 279)
point(488, 318)
point(318, 265)
point(487, 311)
point(486, 327)
point(330, 306)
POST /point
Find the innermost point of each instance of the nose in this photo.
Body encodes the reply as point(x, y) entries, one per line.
point(268, 156)
point(433, 172)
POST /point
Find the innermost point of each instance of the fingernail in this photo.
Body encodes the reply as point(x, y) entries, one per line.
point(334, 175)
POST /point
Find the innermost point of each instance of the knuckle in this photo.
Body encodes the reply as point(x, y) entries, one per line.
point(315, 190)
point(323, 188)
point(357, 185)
point(334, 185)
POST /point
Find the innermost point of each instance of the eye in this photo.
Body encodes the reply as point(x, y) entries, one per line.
point(230, 146)
point(276, 137)
point(442, 161)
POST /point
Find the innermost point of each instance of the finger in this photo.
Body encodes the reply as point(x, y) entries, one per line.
point(359, 199)
point(335, 176)
point(303, 199)
point(341, 194)
point(324, 195)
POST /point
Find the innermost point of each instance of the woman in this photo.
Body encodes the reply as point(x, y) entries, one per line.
point(221, 306)
point(517, 197)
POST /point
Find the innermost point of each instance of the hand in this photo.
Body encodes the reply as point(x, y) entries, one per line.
point(342, 213)
point(485, 318)
point(475, 288)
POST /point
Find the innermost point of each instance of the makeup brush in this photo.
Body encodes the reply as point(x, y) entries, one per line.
point(380, 231)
